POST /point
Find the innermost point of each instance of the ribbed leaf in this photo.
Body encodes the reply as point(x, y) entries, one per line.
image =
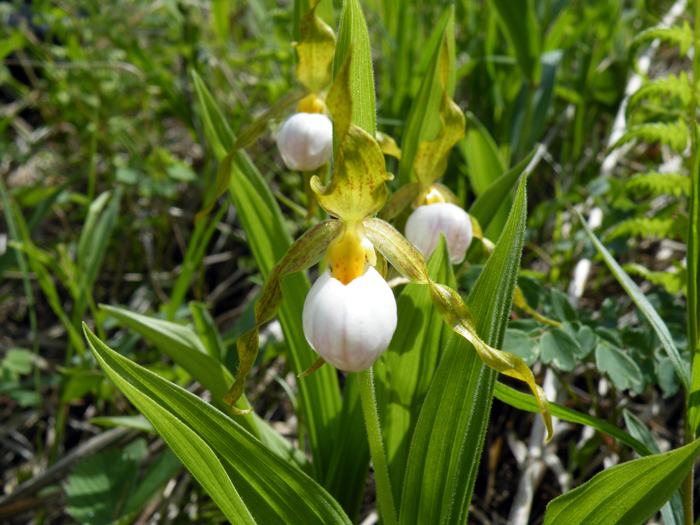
point(675, 35)
point(629, 493)
point(675, 87)
point(486, 205)
point(184, 347)
point(423, 122)
point(353, 33)
point(229, 463)
point(672, 512)
point(693, 295)
point(447, 443)
point(649, 227)
point(523, 401)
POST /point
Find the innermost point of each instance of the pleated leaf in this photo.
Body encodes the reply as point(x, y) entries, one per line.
point(630, 493)
point(248, 482)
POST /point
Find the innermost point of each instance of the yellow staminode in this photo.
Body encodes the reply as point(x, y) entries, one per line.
point(349, 251)
point(311, 104)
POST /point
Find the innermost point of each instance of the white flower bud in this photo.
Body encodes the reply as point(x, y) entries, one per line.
point(306, 141)
point(425, 224)
point(350, 325)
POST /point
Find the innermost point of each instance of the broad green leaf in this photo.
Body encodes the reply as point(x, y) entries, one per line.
point(522, 29)
point(268, 238)
point(404, 372)
point(486, 205)
point(357, 189)
point(523, 401)
point(316, 47)
point(184, 347)
point(225, 459)
point(672, 512)
point(645, 306)
point(423, 122)
point(447, 443)
point(629, 493)
point(620, 368)
point(559, 349)
point(353, 34)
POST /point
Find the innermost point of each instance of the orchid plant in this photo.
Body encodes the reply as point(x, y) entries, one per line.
point(424, 443)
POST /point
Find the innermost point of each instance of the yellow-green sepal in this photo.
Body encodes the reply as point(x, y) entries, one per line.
point(306, 251)
point(457, 315)
point(410, 263)
point(316, 48)
point(357, 189)
point(430, 161)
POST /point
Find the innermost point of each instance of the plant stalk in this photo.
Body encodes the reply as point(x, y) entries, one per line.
point(692, 298)
point(376, 448)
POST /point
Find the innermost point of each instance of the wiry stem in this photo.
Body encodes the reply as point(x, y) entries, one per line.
point(376, 448)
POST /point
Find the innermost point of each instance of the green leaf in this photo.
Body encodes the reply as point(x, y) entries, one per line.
point(207, 330)
point(353, 33)
point(559, 349)
point(423, 122)
point(648, 227)
point(484, 165)
point(225, 459)
point(98, 487)
point(677, 88)
point(672, 512)
point(674, 35)
point(521, 344)
point(673, 134)
point(404, 372)
point(629, 493)
point(587, 340)
point(653, 183)
point(620, 368)
point(135, 422)
point(184, 347)
point(316, 48)
point(487, 204)
point(522, 29)
point(447, 443)
point(645, 306)
point(523, 401)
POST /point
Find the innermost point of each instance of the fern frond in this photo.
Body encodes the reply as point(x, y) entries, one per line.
point(673, 87)
point(673, 134)
point(673, 282)
point(656, 183)
point(648, 227)
point(680, 35)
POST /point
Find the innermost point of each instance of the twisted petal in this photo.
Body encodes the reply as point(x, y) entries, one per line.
point(305, 252)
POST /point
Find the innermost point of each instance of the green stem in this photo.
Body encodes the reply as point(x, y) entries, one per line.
point(376, 448)
point(687, 492)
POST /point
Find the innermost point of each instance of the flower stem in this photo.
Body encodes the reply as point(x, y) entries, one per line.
point(376, 447)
